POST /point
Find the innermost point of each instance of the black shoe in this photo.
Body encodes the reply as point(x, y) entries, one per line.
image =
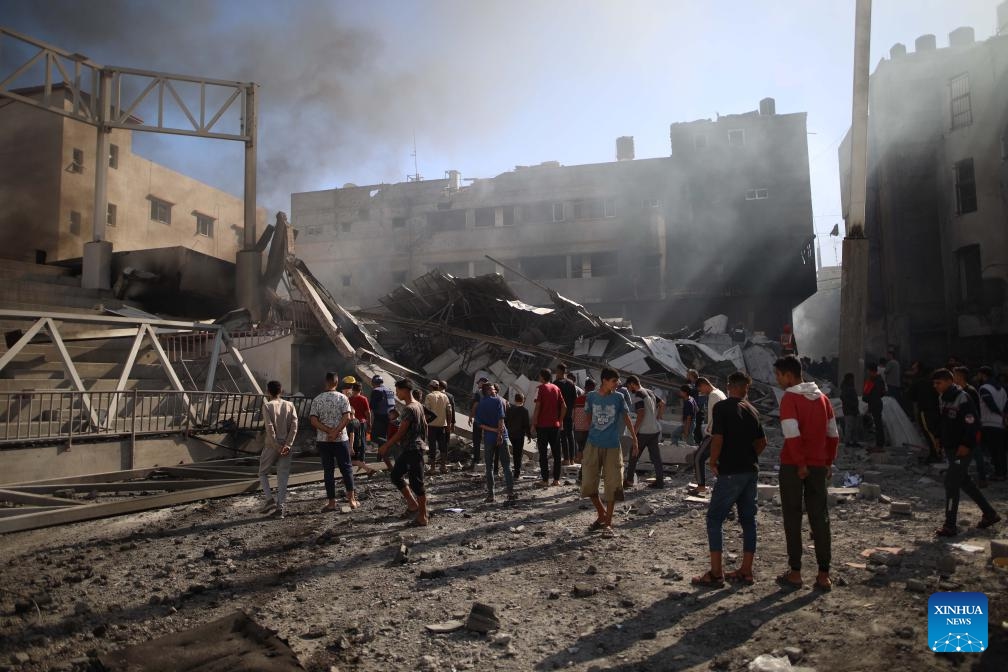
point(988, 521)
point(656, 486)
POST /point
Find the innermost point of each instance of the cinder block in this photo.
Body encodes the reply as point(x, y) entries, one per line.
point(901, 509)
point(869, 491)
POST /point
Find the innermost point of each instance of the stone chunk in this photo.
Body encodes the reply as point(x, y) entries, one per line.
point(999, 548)
point(901, 509)
point(870, 491)
point(583, 590)
point(445, 627)
point(482, 618)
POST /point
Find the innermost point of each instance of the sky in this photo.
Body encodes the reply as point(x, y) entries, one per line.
point(346, 88)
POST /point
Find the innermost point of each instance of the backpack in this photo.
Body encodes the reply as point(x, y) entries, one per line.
point(387, 399)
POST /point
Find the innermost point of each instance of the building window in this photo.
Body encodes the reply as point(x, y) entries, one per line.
point(346, 226)
point(110, 217)
point(484, 217)
point(160, 211)
point(113, 156)
point(77, 166)
point(699, 141)
point(603, 264)
point(558, 212)
point(757, 194)
point(736, 138)
point(398, 222)
point(508, 212)
point(965, 187)
point(75, 223)
point(346, 280)
point(484, 267)
point(446, 220)
point(970, 274)
point(650, 204)
point(458, 269)
point(545, 268)
point(609, 207)
point(204, 225)
point(399, 277)
point(962, 108)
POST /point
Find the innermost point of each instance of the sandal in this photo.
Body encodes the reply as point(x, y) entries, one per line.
point(708, 580)
point(597, 525)
point(785, 582)
point(739, 577)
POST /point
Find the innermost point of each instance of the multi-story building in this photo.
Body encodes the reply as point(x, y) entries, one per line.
point(937, 208)
point(47, 192)
point(723, 225)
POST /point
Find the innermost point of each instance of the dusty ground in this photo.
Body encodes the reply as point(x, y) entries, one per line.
point(335, 588)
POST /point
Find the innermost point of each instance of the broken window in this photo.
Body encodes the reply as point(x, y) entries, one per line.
point(75, 223)
point(965, 187)
point(113, 156)
point(204, 225)
point(484, 217)
point(460, 269)
point(446, 220)
point(757, 194)
point(110, 216)
point(580, 266)
point(970, 275)
point(558, 212)
point(160, 211)
point(962, 108)
point(603, 264)
point(537, 213)
point(546, 267)
point(508, 211)
point(589, 208)
point(736, 138)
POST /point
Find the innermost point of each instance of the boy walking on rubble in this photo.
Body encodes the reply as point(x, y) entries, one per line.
point(602, 454)
point(409, 464)
point(281, 428)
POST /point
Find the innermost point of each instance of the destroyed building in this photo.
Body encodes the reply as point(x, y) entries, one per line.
point(722, 225)
point(49, 187)
point(937, 206)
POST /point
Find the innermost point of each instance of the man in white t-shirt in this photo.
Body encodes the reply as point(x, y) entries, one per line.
point(647, 409)
point(702, 455)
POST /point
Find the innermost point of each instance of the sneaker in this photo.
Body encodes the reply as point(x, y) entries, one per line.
point(268, 506)
point(988, 521)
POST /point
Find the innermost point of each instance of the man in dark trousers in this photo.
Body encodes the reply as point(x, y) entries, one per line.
point(810, 447)
point(381, 401)
point(547, 417)
point(519, 427)
point(409, 464)
point(872, 392)
point(993, 405)
point(569, 392)
point(957, 437)
point(477, 436)
point(737, 440)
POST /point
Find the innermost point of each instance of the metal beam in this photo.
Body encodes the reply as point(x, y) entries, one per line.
point(19, 497)
point(214, 356)
point(91, 511)
point(241, 362)
point(170, 372)
point(11, 353)
point(71, 371)
point(107, 319)
point(124, 376)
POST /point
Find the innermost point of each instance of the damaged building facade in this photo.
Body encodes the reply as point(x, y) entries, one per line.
point(47, 186)
point(722, 225)
point(937, 208)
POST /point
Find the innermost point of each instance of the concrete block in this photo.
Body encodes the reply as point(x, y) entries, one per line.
point(869, 491)
point(901, 509)
point(999, 548)
point(765, 493)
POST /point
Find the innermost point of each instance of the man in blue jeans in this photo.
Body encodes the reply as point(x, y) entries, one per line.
point(330, 414)
point(737, 439)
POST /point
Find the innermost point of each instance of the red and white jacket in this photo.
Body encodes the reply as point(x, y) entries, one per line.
point(809, 427)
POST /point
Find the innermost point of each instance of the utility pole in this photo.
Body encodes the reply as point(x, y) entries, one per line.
point(248, 262)
point(854, 267)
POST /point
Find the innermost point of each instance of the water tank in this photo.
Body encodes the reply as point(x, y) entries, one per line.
point(897, 50)
point(454, 180)
point(925, 43)
point(768, 107)
point(624, 148)
point(961, 37)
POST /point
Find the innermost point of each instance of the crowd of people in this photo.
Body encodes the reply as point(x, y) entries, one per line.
point(596, 426)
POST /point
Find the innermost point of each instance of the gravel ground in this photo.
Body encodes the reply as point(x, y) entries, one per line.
point(338, 589)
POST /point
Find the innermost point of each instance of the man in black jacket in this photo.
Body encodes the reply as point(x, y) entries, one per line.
point(872, 393)
point(957, 436)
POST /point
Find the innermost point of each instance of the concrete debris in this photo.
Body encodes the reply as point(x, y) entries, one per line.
point(482, 618)
point(869, 491)
point(768, 663)
point(999, 548)
point(445, 627)
point(901, 509)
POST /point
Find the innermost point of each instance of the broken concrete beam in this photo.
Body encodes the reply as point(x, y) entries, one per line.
point(441, 361)
point(901, 509)
point(765, 493)
point(870, 491)
point(999, 548)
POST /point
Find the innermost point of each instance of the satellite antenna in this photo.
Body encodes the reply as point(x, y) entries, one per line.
point(416, 176)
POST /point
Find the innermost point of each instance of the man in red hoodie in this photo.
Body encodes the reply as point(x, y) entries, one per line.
point(810, 446)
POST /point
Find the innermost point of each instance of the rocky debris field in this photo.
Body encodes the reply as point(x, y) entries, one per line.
point(363, 591)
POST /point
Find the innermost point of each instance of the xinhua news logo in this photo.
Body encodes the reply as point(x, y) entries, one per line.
point(957, 622)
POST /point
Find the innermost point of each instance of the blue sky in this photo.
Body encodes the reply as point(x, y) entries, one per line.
point(485, 86)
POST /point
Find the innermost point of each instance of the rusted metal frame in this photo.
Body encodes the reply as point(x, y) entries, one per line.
point(102, 510)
